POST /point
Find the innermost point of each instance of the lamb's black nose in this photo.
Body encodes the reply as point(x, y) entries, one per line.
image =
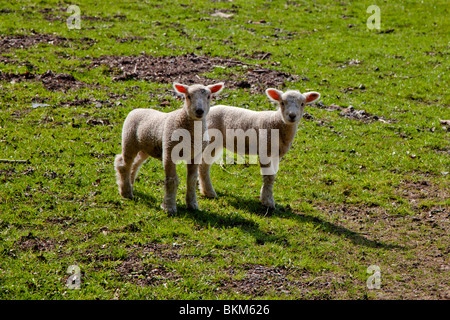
point(292, 116)
point(199, 112)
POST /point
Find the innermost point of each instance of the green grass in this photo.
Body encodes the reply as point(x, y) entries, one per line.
point(350, 193)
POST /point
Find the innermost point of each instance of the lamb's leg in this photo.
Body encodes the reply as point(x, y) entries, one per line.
point(122, 164)
point(138, 161)
point(266, 194)
point(170, 185)
point(211, 154)
point(268, 172)
point(206, 187)
point(191, 186)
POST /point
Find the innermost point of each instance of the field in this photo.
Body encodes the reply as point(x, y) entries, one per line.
point(365, 183)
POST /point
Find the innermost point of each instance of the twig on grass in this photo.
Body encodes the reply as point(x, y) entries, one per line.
point(14, 161)
point(223, 168)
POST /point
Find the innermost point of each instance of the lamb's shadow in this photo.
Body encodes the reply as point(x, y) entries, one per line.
point(148, 199)
point(286, 212)
point(251, 205)
point(211, 219)
point(207, 218)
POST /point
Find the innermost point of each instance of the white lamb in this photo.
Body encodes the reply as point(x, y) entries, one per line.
point(148, 132)
point(291, 105)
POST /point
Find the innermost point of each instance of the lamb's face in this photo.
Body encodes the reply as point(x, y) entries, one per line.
point(198, 98)
point(292, 103)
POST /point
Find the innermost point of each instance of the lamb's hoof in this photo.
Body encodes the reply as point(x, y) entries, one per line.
point(268, 203)
point(171, 210)
point(192, 206)
point(127, 195)
point(209, 194)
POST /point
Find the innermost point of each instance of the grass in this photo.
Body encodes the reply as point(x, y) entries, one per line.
point(350, 193)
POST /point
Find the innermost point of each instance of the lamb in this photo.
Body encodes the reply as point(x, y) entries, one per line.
point(223, 121)
point(148, 132)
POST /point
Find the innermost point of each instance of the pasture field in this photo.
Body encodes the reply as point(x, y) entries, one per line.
point(366, 182)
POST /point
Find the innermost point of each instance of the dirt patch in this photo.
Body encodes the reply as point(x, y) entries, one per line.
point(31, 242)
point(59, 81)
point(419, 194)
point(136, 270)
point(260, 280)
point(61, 14)
point(164, 251)
point(259, 55)
point(24, 41)
point(415, 261)
point(423, 189)
point(6, 10)
point(135, 266)
point(64, 222)
point(51, 81)
point(16, 77)
point(77, 102)
point(11, 173)
point(129, 39)
point(188, 69)
point(351, 113)
point(20, 41)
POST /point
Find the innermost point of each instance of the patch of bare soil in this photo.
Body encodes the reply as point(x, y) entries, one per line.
point(31, 242)
point(129, 39)
point(136, 270)
point(415, 191)
point(188, 69)
point(135, 267)
point(51, 81)
point(64, 222)
point(60, 14)
point(260, 280)
point(351, 113)
point(59, 81)
point(10, 173)
point(415, 263)
point(24, 41)
point(165, 251)
point(20, 41)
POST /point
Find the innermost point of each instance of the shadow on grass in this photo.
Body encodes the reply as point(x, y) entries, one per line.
point(233, 220)
point(148, 199)
point(254, 206)
point(210, 219)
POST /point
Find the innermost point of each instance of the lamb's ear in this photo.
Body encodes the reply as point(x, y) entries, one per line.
point(311, 96)
point(180, 88)
point(274, 94)
point(216, 88)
